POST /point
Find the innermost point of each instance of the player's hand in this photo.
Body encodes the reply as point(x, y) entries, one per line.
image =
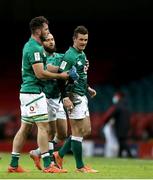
point(73, 73)
point(68, 105)
point(87, 64)
point(92, 92)
point(64, 75)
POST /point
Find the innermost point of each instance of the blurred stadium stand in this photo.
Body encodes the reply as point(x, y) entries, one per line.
point(139, 95)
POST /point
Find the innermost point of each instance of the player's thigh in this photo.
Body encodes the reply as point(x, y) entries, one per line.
point(52, 107)
point(43, 126)
point(81, 127)
point(86, 125)
point(61, 114)
point(25, 129)
point(77, 127)
point(86, 122)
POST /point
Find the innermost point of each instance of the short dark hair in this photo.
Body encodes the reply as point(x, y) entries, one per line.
point(37, 22)
point(80, 30)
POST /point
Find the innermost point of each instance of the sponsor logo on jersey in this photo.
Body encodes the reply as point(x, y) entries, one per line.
point(37, 56)
point(63, 65)
point(32, 108)
point(79, 63)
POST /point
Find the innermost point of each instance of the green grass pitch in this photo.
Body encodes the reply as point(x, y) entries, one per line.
point(109, 168)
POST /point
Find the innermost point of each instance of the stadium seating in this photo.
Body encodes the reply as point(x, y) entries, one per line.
point(138, 93)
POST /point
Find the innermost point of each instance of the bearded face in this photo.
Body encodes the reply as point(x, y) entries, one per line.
point(49, 44)
point(50, 49)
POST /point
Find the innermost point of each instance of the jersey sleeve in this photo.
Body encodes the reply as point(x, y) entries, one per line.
point(59, 59)
point(35, 56)
point(66, 63)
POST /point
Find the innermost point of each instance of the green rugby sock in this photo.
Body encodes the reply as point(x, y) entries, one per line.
point(46, 159)
point(76, 145)
point(15, 159)
point(65, 148)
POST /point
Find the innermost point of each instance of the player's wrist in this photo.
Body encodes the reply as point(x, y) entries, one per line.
point(65, 98)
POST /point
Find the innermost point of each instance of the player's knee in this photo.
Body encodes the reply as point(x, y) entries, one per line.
point(62, 136)
point(87, 132)
point(51, 131)
point(25, 129)
point(51, 134)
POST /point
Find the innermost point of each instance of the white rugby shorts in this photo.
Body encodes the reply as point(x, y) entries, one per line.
point(55, 109)
point(81, 109)
point(33, 107)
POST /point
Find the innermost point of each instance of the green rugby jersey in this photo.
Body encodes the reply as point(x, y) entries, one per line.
point(33, 52)
point(51, 88)
point(55, 59)
point(78, 59)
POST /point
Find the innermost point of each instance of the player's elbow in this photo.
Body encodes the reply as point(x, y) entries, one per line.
point(39, 70)
point(39, 75)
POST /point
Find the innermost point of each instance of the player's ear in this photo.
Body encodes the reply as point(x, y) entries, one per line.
point(73, 38)
point(38, 31)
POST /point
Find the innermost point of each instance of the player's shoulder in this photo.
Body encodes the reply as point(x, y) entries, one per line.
point(58, 55)
point(33, 46)
point(70, 53)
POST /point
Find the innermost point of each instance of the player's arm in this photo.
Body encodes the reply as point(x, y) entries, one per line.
point(92, 92)
point(66, 65)
point(45, 74)
point(36, 60)
point(52, 68)
point(53, 64)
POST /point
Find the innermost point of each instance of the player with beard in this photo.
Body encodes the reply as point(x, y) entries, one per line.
point(56, 114)
point(33, 99)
